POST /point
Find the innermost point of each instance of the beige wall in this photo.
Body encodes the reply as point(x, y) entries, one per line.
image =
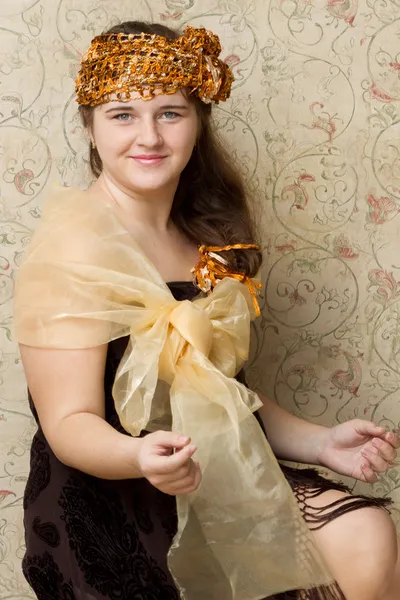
point(313, 120)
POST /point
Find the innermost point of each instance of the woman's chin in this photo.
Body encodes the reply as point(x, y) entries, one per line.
point(150, 184)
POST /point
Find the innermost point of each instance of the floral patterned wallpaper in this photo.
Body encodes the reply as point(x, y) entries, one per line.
point(314, 121)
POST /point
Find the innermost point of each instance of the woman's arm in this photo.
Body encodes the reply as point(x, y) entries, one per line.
point(356, 448)
point(67, 390)
point(290, 437)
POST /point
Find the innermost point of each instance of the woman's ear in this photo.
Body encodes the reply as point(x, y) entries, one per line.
point(91, 137)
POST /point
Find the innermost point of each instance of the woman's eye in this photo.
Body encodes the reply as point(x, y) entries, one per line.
point(170, 115)
point(123, 117)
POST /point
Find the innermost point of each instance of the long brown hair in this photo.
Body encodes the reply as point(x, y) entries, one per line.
point(210, 205)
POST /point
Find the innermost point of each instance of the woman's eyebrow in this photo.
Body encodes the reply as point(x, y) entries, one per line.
point(121, 106)
point(174, 106)
point(128, 108)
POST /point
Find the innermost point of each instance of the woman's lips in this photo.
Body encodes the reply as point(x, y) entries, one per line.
point(148, 159)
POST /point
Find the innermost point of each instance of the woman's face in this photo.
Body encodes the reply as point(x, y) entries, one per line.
point(144, 145)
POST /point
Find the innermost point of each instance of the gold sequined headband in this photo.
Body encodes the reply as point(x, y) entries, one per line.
point(117, 64)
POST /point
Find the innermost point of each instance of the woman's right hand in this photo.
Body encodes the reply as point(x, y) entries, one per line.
point(165, 459)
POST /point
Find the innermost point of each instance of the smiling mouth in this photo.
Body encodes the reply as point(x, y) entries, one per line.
point(148, 160)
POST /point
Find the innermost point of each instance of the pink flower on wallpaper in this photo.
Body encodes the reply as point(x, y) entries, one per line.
point(348, 380)
point(322, 120)
point(22, 178)
point(296, 189)
point(4, 494)
point(306, 177)
point(346, 253)
point(343, 248)
point(286, 247)
point(395, 65)
point(232, 60)
point(296, 300)
point(343, 9)
point(381, 209)
point(388, 287)
point(174, 16)
point(378, 94)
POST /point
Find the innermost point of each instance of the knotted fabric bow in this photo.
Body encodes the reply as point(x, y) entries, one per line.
point(85, 282)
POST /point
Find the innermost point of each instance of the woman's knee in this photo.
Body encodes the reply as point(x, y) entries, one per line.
point(360, 547)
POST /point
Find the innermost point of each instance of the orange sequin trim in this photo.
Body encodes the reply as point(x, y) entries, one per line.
point(211, 268)
point(117, 64)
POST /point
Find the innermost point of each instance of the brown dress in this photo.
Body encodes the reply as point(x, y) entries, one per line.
point(94, 539)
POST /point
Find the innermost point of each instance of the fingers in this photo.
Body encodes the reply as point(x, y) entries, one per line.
point(384, 445)
point(372, 429)
point(177, 486)
point(159, 452)
point(175, 462)
point(171, 472)
point(196, 481)
point(392, 437)
point(182, 472)
point(376, 462)
point(187, 484)
point(168, 439)
point(384, 449)
point(156, 467)
point(368, 473)
point(368, 428)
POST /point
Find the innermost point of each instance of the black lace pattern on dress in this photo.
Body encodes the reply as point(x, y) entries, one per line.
point(107, 547)
point(44, 576)
point(47, 532)
point(40, 472)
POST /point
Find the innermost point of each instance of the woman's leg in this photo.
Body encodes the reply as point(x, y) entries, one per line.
point(361, 548)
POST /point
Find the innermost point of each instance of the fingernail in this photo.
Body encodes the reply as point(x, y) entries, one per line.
point(192, 448)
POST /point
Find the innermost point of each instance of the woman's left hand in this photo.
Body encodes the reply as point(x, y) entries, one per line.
point(359, 449)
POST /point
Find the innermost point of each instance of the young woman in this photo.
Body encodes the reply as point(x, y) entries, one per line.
point(100, 505)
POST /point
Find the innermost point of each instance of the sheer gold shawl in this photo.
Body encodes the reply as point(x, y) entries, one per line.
point(85, 282)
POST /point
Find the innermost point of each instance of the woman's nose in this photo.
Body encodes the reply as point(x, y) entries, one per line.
point(148, 134)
